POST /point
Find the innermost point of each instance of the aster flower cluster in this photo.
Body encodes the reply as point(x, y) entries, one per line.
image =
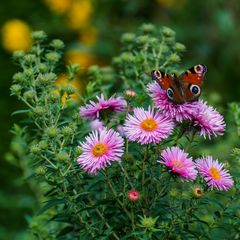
point(183, 166)
point(207, 120)
point(103, 146)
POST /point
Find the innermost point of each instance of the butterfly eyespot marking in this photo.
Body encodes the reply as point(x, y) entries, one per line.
point(195, 89)
point(170, 93)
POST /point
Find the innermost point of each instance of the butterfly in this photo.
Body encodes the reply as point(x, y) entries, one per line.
point(186, 87)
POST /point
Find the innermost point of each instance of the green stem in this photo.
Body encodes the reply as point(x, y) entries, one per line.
point(126, 175)
point(103, 219)
point(118, 201)
point(190, 141)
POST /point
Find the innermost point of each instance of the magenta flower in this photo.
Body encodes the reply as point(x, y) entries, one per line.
point(208, 120)
point(179, 162)
point(147, 127)
point(92, 110)
point(100, 149)
point(179, 112)
point(213, 173)
point(96, 125)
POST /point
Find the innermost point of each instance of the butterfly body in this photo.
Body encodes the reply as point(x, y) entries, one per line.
point(186, 87)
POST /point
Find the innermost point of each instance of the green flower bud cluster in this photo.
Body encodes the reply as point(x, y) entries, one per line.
point(152, 48)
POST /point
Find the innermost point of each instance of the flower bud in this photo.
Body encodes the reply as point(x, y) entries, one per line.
point(147, 28)
point(127, 57)
point(29, 58)
point(128, 38)
point(142, 39)
point(174, 58)
point(57, 44)
point(17, 55)
point(35, 149)
point(40, 170)
point(173, 192)
point(29, 72)
point(53, 96)
point(38, 36)
point(52, 132)
point(168, 32)
point(68, 88)
point(47, 78)
point(43, 144)
point(62, 156)
point(43, 68)
point(133, 196)
point(153, 41)
point(18, 77)
point(179, 47)
point(28, 95)
point(39, 110)
point(130, 94)
point(16, 89)
point(78, 151)
point(197, 192)
point(94, 69)
point(148, 222)
point(67, 131)
point(53, 57)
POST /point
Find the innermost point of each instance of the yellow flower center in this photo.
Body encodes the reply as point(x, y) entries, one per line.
point(99, 149)
point(178, 164)
point(214, 173)
point(149, 125)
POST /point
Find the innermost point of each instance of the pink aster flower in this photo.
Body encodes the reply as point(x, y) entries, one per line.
point(147, 127)
point(179, 162)
point(179, 112)
point(93, 109)
point(208, 120)
point(100, 149)
point(213, 173)
point(96, 125)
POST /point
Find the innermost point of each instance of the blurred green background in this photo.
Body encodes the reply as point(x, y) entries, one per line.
point(91, 30)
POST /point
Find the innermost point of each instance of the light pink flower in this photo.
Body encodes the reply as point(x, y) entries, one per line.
point(179, 112)
point(214, 174)
point(92, 110)
point(208, 120)
point(96, 125)
point(147, 127)
point(178, 162)
point(100, 149)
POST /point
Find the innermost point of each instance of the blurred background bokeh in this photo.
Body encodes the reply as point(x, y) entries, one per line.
point(91, 30)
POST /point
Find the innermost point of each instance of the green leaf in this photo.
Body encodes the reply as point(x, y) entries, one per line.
point(21, 111)
point(50, 204)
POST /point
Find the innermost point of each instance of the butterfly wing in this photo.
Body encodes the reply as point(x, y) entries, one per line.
point(170, 84)
point(191, 82)
point(163, 79)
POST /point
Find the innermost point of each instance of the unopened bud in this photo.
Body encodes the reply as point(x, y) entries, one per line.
point(197, 192)
point(57, 44)
point(39, 36)
point(133, 195)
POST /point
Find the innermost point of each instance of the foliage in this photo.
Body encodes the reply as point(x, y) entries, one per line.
point(97, 206)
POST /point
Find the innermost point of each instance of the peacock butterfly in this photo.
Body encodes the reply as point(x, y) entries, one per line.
point(186, 87)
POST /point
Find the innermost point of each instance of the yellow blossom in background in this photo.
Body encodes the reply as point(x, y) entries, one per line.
point(176, 4)
point(58, 6)
point(62, 79)
point(16, 35)
point(88, 35)
point(79, 14)
point(83, 58)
